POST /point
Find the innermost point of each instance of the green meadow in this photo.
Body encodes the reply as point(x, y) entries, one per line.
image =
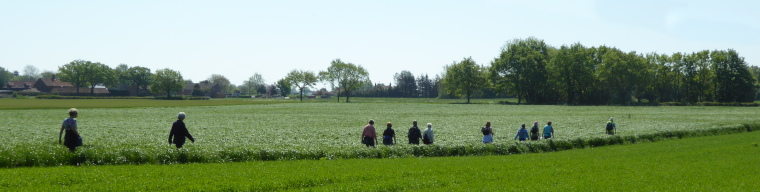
point(117, 132)
point(716, 163)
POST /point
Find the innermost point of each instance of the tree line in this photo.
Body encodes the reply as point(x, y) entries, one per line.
point(537, 73)
point(527, 69)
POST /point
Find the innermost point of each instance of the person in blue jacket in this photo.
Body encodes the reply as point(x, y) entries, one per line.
point(548, 131)
point(522, 134)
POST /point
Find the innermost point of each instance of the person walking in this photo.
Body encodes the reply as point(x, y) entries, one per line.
point(487, 133)
point(611, 127)
point(72, 138)
point(414, 134)
point(389, 135)
point(428, 137)
point(179, 132)
point(522, 134)
point(369, 136)
point(534, 131)
point(548, 131)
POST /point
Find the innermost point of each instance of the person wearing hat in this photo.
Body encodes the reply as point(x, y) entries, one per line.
point(487, 133)
point(179, 132)
point(611, 128)
point(534, 131)
point(522, 134)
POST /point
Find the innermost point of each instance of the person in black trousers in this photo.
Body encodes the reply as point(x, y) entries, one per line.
point(179, 132)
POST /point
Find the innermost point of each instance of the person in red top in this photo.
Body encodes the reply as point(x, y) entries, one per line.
point(369, 136)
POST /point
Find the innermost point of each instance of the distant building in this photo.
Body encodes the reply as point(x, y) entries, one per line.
point(56, 86)
point(47, 85)
point(18, 85)
point(209, 89)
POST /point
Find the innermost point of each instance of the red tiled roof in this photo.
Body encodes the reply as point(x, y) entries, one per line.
point(19, 84)
point(56, 83)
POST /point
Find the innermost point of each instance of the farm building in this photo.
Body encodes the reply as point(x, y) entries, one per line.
point(209, 89)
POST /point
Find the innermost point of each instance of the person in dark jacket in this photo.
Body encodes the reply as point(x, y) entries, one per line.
point(389, 135)
point(487, 133)
point(414, 134)
point(534, 131)
point(179, 132)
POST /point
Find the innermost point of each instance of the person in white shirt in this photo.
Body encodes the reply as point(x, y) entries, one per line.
point(427, 136)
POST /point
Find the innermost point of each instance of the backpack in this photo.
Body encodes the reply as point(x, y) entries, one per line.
point(609, 126)
point(485, 130)
point(425, 139)
point(534, 130)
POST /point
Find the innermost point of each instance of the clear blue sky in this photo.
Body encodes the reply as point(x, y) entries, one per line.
point(239, 38)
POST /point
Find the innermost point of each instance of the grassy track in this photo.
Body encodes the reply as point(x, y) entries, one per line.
point(315, 130)
point(718, 163)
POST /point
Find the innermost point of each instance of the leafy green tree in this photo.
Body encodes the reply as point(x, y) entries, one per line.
point(427, 87)
point(121, 80)
point(220, 80)
point(734, 80)
point(75, 72)
point(346, 76)
point(47, 74)
point(521, 69)
point(198, 92)
point(5, 76)
point(663, 77)
point(167, 81)
point(756, 74)
point(138, 77)
point(254, 83)
point(284, 87)
point(301, 79)
point(30, 73)
point(465, 78)
point(98, 73)
point(406, 84)
point(573, 70)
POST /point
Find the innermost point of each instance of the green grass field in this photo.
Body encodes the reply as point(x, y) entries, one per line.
point(135, 131)
point(717, 163)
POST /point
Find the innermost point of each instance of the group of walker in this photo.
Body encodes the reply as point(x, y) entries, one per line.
point(179, 132)
point(522, 134)
point(369, 137)
point(73, 140)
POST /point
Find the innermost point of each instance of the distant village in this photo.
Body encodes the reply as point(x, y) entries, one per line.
point(54, 86)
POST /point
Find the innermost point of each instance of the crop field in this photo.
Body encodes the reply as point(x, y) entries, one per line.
point(716, 163)
point(328, 130)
